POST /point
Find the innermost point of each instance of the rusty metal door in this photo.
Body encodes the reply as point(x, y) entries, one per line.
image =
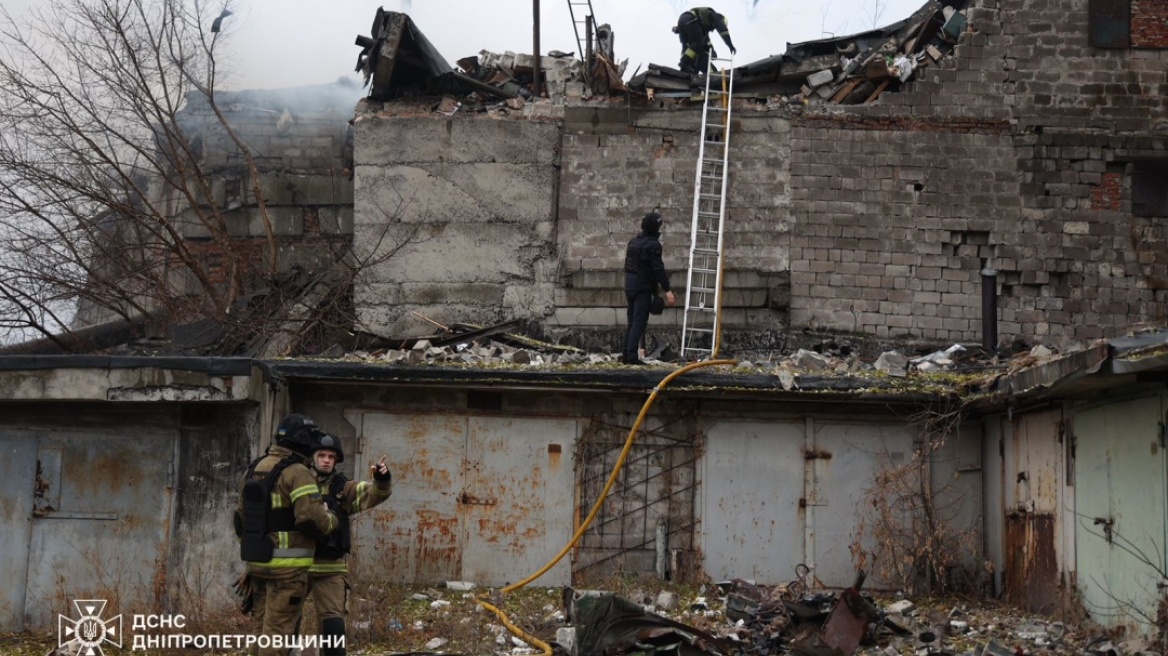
point(517, 500)
point(752, 483)
point(17, 480)
point(1034, 479)
point(482, 499)
point(414, 536)
point(1120, 479)
point(101, 521)
point(847, 458)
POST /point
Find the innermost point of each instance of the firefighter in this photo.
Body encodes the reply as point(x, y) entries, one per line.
point(328, 578)
point(693, 28)
point(280, 517)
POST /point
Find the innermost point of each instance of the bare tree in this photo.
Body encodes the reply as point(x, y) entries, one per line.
point(108, 109)
point(873, 11)
point(909, 531)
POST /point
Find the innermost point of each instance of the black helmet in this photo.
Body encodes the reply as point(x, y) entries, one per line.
point(297, 432)
point(324, 441)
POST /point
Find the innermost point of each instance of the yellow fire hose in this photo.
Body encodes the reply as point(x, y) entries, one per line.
point(520, 633)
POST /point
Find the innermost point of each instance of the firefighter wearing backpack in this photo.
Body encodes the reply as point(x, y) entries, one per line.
point(280, 518)
point(328, 578)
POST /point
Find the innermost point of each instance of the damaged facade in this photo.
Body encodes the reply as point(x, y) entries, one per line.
point(1011, 154)
point(1025, 156)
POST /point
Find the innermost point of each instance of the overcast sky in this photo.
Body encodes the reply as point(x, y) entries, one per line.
point(283, 43)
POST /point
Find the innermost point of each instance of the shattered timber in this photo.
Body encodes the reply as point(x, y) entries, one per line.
point(944, 298)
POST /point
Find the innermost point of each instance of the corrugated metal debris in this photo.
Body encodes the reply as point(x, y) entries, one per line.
point(398, 61)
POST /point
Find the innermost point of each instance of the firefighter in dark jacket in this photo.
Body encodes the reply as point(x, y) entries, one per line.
point(693, 29)
point(279, 520)
point(644, 272)
point(328, 578)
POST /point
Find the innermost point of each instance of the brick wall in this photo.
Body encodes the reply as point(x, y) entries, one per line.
point(1149, 24)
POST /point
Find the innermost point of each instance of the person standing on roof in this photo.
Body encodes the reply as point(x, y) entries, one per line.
point(644, 271)
point(693, 28)
point(328, 578)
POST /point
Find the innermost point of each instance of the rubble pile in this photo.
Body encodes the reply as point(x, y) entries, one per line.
point(739, 617)
point(849, 70)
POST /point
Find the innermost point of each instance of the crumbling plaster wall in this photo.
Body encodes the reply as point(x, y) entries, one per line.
point(457, 218)
point(1015, 154)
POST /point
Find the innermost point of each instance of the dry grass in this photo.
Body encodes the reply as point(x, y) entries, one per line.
point(387, 619)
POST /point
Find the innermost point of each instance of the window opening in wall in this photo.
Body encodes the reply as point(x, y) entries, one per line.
point(1149, 188)
point(657, 488)
point(1127, 24)
point(1109, 23)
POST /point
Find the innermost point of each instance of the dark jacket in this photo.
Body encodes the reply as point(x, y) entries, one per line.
point(711, 20)
point(643, 266)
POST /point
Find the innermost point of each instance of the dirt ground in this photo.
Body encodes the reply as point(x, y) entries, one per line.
point(394, 619)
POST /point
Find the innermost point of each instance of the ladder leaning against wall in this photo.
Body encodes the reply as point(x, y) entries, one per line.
point(701, 328)
point(584, 24)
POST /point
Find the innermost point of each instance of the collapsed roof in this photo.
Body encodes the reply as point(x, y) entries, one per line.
point(399, 61)
point(849, 69)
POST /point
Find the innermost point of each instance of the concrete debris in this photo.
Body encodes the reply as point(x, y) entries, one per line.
point(902, 607)
point(811, 361)
point(462, 586)
point(398, 61)
point(789, 618)
point(893, 364)
point(436, 643)
point(938, 360)
point(853, 69)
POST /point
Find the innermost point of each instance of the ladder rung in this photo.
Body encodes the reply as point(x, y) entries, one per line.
point(691, 329)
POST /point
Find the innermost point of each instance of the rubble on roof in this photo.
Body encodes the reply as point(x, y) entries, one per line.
point(398, 61)
point(847, 70)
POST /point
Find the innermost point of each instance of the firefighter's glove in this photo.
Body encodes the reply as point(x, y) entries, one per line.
point(380, 471)
point(244, 591)
point(733, 50)
point(382, 475)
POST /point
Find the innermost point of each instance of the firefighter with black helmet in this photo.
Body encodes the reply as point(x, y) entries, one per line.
point(693, 29)
point(328, 578)
point(280, 517)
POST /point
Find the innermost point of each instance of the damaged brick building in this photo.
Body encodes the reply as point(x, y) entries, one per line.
point(1028, 158)
point(1035, 150)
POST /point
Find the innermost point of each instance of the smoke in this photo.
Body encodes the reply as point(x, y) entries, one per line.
point(406, 6)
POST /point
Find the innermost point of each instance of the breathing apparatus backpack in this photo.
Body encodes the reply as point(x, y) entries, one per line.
point(259, 518)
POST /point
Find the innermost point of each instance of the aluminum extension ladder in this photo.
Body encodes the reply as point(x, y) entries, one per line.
point(584, 26)
point(701, 328)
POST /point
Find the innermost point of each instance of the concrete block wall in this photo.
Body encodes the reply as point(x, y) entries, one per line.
point(469, 208)
point(614, 171)
point(891, 226)
point(1060, 124)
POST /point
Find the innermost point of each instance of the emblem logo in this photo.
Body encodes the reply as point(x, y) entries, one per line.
point(85, 635)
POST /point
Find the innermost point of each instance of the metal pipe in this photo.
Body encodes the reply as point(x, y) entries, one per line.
point(661, 544)
point(989, 309)
point(588, 43)
point(536, 59)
